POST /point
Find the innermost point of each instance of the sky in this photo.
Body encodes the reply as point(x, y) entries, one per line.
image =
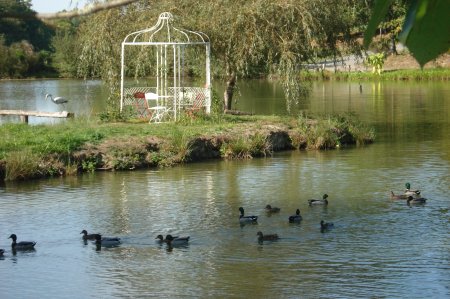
point(46, 6)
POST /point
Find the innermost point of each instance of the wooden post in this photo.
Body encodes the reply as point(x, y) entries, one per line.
point(24, 118)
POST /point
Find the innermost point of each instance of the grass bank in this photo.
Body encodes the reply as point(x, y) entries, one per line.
point(77, 146)
point(438, 74)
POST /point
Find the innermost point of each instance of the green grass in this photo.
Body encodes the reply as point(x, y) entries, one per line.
point(440, 74)
point(85, 146)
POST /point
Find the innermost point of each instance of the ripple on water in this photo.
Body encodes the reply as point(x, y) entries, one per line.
point(378, 247)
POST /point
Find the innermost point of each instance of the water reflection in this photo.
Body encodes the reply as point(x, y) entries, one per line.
point(378, 247)
point(85, 97)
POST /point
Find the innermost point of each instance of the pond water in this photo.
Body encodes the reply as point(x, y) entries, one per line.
point(378, 248)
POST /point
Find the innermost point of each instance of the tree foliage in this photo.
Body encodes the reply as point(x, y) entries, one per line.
point(425, 31)
point(15, 30)
point(24, 43)
point(248, 38)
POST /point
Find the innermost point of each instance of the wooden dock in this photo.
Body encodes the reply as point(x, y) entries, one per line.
point(25, 114)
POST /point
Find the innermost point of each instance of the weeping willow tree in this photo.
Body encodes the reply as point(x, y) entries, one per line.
point(248, 38)
point(275, 38)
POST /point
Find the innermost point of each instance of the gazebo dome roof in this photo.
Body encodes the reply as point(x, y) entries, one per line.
point(164, 32)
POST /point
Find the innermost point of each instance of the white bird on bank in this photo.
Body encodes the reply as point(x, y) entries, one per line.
point(57, 100)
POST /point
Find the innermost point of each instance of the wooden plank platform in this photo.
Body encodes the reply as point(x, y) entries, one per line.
point(25, 114)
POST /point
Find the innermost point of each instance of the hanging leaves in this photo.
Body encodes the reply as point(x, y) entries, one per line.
point(426, 30)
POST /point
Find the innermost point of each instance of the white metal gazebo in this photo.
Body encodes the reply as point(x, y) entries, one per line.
point(170, 97)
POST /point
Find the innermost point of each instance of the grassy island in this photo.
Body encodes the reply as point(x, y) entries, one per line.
point(78, 145)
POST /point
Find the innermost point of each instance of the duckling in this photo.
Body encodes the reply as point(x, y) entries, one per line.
point(325, 225)
point(322, 201)
point(271, 209)
point(409, 192)
point(415, 200)
point(296, 217)
point(174, 241)
point(23, 245)
point(246, 219)
point(107, 241)
point(87, 236)
point(262, 237)
point(398, 196)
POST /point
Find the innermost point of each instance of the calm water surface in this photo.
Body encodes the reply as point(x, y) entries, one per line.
point(378, 248)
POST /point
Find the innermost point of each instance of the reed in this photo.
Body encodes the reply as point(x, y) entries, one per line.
point(22, 165)
point(329, 132)
point(436, 74)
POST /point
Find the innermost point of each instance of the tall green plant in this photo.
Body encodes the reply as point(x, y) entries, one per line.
point(376, 61)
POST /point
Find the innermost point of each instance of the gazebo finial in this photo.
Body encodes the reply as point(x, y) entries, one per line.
point(165, 16)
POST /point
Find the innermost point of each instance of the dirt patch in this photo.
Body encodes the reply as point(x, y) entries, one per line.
point(407, 61)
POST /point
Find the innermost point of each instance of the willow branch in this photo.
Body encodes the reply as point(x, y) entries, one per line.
point(87, 10)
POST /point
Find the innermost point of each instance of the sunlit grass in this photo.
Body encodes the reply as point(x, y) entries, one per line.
point(85, 145)
point(437, 74)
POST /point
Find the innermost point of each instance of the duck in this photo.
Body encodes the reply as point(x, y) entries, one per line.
point(22, 245)
point(322, 201)
point(160, 238)
point(246, 219)
point(296, 217)
point(262, 237)
point(107, 241)
point(87, 236)
point(415, 200)
point(325, 225)
point(398, 196)
point(409, 192)
point(173, 241)
point(271, 209)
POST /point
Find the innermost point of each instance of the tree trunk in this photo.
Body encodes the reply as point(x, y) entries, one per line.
point(229, 91)
point(394, 48)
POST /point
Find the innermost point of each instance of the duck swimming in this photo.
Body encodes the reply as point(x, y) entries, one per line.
point(322, 201)
point(107, 241)
point(325, 225)
point(246, 219)
point(271, 237)
point(87, 236)
point(174, 241)
point(161, 239)
point(22, 245)
point(409, 192)
point(398, 196)
point(271, 209)
point(415, 200)
point(296, 217)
